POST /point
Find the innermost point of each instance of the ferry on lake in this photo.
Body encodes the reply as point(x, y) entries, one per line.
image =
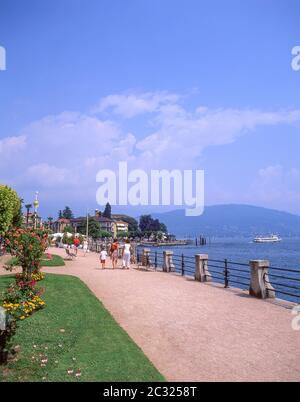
point(267, 239)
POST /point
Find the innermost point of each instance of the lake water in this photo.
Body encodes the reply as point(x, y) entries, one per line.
point(285, 255)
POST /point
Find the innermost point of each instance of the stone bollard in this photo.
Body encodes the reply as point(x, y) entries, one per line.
point(168, 265)
point(201, 268)
point(259, 281)
point(146, 257)
point(133, 253)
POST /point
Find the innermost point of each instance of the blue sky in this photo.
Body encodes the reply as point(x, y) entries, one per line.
point(167, 84)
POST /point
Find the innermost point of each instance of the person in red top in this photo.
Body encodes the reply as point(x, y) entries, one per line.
point(114, 253)
point(76, 243)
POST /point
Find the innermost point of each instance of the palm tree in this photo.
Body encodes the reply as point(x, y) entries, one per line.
point(50, 219)
point(28, 206)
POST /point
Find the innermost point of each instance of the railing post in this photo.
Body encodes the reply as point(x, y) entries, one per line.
point(155, 260)
point(226, 276)
point(168, 265)
point(260, 286)
point(182, 264)
point(201, 268)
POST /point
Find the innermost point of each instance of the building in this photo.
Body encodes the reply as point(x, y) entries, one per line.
point(60, 225)
point(29, 219)
point(121, 226)
point(112, 226)
point(106, 224)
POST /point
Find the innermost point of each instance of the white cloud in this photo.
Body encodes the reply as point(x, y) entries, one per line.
point(274, 185)
point(186, 134)
point(12, 144)
point(67, 150)
point(271, 172)
point(132, 105)
point(58, 150)
point(46, 175)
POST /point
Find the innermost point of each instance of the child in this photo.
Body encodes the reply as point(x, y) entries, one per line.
point(103, 255)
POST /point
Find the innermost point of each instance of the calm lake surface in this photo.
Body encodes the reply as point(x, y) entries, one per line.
point(285, 255)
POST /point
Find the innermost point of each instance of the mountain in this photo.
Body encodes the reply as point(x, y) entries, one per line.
point(231, 220)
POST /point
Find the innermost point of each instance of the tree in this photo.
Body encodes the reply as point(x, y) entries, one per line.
point(10, 205)
point(135, 233)
point(163, 228)
point(122, 235)
point(145, 221)
point(67, 213)
point(159, 236)
point(59, 214)
point(104, 234)
point(94, 228)
point(107, 211)
point(28, 246)
point(67, 239)
point(149, 225)
point(68, 229)
point(50, 220)
point(18, 217)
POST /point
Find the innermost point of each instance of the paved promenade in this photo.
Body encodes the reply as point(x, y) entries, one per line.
point(193, 331)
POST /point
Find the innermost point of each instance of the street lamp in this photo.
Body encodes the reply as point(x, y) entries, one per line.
point(36, 205)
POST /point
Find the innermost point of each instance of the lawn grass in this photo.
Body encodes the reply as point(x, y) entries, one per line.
point(76, 332)
point(56, 261)
point(12, 261)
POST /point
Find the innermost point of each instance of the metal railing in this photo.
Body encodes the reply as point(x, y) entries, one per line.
point(229, 272)
point(225, 271)
point(284, 281)
point(184, 265)
point(284, 284)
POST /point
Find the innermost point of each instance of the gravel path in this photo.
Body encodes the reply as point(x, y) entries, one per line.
point(193, 331)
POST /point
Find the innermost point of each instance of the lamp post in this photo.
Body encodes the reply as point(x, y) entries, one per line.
point(36, 205)
point(87, 225)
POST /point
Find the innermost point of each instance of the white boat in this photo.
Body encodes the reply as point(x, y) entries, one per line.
point(267, 239)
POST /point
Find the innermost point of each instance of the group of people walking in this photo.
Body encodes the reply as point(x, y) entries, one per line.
point(114, 254)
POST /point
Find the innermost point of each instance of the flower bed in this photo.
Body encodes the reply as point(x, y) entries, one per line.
point(25, 309)
point(27, 246)
point(35, 276)
point(21, 299)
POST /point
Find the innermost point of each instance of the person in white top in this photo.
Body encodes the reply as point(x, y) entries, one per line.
point(103, 255)
point(85, 247)
point(126, 254)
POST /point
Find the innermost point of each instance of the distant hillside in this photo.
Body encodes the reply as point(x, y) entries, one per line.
point(232, 220)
